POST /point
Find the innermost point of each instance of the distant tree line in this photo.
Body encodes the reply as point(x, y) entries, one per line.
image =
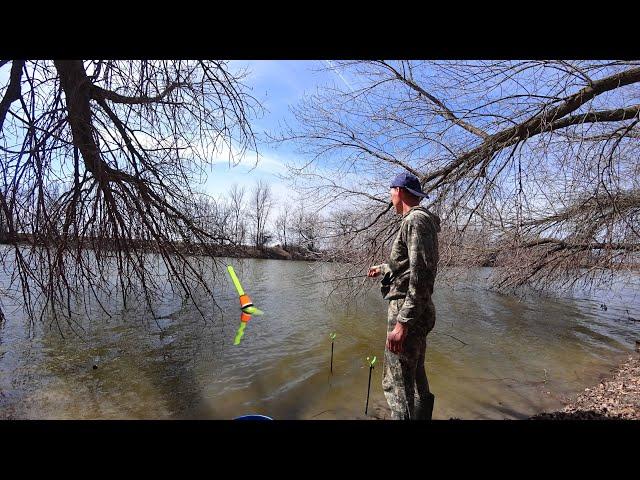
point(246, 216)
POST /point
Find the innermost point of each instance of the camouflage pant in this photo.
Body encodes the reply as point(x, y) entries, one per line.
point(404, 379)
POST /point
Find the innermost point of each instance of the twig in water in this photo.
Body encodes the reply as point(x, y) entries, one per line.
point(324, 411)
point(454, 338)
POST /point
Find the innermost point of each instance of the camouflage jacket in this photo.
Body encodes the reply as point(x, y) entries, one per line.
point(412, 266)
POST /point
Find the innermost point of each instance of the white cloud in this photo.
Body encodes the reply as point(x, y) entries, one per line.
point(264, 163)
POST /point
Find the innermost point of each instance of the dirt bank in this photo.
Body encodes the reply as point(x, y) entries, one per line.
point(616, 398)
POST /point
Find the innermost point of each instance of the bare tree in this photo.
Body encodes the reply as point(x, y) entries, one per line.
point(98, 158)
point(282, 226)
point(213, 217)
point(238, 220)
point(310, 230)
point(261, 203)
point(537, 158)
point(307, 227)
point(222, 220)
point(297, 218)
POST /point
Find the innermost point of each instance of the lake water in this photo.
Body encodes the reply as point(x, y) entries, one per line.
point(522, 356)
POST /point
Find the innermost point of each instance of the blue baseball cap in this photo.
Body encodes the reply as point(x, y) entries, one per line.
point(410, 182)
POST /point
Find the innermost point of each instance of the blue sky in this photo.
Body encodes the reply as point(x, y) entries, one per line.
point(278, 85)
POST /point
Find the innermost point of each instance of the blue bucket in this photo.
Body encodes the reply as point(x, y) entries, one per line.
point(253, 417)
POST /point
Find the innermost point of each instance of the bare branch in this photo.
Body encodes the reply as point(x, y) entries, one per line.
point(13, 90)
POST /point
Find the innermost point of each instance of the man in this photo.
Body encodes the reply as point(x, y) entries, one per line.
point(408, 285)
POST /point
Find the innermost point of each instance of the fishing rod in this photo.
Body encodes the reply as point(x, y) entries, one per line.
point(333, 280)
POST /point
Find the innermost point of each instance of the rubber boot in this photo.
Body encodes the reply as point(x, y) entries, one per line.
point(424, 408)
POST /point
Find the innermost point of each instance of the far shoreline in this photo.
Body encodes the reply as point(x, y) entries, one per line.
point(276, 252)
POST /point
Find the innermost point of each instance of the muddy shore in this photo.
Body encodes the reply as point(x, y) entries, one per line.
point(617, 397)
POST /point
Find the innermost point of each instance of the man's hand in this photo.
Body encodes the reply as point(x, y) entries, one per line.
point(374, 271)
point(395, 338)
